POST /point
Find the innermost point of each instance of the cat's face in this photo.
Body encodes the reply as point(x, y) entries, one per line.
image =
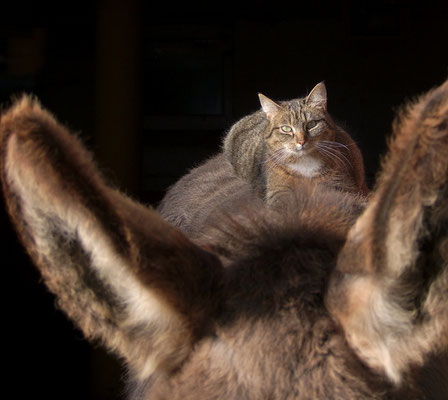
point(298, 128)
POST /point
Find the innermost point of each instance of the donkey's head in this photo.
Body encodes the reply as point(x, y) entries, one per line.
point(330, 299)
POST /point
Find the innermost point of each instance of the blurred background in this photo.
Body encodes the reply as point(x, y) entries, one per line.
point(151, 88)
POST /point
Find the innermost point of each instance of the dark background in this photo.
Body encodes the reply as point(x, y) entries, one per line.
point(153, 88)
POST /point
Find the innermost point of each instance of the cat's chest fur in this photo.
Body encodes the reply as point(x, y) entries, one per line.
point(307, 166)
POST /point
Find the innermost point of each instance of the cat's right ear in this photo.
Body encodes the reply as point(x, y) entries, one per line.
point(269, 107)
point(318, 96)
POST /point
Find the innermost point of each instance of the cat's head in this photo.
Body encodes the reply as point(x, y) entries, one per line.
point(296, 127)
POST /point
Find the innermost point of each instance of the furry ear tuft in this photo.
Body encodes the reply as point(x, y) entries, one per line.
point(318, 96)
point(398, 243)
point(99, 252)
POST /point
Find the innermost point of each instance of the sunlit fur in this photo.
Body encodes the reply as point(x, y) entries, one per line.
point(399, 248)
point(331, 297)
point(292, 140)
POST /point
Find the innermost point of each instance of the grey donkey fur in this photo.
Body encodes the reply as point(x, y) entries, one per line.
point(330, 299)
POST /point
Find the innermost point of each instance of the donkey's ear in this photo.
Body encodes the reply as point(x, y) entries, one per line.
point(318, 96)
point(121, 273)
point(270, 107)
point(390, 289)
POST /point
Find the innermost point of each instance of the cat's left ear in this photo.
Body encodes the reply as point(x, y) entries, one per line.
point(269, 106)
point(318, 96)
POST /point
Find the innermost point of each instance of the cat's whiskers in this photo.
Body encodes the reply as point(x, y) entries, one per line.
point(335, 144)
point(333, 154)
point(265, 147)
point(329, 145)
point(277, 158)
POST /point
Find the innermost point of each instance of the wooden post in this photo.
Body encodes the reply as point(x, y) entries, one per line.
point(118, 120)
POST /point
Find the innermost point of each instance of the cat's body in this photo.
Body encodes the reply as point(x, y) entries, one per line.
point(293, 140)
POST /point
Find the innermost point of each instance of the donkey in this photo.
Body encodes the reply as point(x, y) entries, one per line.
point(333, 298)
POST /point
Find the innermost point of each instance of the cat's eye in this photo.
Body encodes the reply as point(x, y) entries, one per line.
point(311, 124)
point(286, 128)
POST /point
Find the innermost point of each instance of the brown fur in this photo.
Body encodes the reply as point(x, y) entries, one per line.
point(405, 225)
point(331, 298)
point(294, 140)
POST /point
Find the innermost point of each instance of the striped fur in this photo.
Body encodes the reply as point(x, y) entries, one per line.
point(271, 160)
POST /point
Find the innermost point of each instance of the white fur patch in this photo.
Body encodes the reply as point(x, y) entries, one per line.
point(307, 166)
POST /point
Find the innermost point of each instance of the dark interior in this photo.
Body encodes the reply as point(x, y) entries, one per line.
point(151, 89)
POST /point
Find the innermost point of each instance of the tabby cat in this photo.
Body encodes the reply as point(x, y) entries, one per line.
point(291, 140)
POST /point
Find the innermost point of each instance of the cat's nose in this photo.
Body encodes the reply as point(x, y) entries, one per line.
point(300, 141)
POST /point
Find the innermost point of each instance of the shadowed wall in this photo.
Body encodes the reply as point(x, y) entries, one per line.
point(152, 89)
